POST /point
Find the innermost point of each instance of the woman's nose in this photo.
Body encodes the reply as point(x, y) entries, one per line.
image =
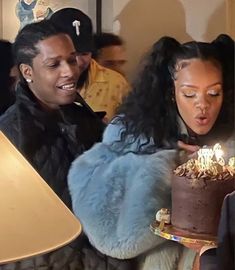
point(202, 103)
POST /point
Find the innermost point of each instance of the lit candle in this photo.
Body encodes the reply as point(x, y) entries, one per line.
point(219, 154)
point(231, 162)
point(206, 155)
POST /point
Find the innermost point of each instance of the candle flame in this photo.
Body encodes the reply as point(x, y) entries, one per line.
point(206, 157)
point(219, 154)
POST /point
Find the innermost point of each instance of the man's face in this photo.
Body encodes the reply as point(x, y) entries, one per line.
point(83, 60)
point(54, 72)
point(113, 57)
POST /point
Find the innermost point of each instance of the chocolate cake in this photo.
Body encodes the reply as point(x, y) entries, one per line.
point(197, 195)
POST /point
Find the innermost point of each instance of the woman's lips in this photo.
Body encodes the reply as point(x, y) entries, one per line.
point(202, 120)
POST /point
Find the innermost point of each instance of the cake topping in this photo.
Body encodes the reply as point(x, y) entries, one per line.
point(163, 215)
point(209, 165)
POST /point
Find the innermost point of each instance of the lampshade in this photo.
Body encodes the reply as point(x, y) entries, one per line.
point(33, 220)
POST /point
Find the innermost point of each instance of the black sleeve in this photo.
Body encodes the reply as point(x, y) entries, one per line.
point(226, 234)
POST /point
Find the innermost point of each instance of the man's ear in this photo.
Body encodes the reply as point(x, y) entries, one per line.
point(26, 71)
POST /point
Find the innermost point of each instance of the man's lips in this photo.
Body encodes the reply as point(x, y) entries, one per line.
point(68, 86)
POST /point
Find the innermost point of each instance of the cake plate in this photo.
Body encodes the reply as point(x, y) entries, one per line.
point(171, 233)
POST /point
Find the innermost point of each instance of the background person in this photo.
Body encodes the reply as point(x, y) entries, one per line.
point(224, 256)
point(103, 89)
point(226, 235)
point(182, 99)
point(110, 51)
point(8, 76)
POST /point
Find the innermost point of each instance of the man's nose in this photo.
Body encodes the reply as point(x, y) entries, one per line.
point(67, 70)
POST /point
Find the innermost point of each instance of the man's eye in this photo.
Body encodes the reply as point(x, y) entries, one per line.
point(52, 65)
point(83, 54)
point(73, 61)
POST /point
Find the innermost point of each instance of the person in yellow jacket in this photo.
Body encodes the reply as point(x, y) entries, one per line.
point(102, 88)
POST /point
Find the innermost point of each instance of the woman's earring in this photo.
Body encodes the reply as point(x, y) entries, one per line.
point(29, 80)
point(173, 99)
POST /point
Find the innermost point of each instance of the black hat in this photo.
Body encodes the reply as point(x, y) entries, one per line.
point(78, 25)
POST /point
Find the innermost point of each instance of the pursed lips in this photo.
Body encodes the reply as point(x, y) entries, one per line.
point(202, 119)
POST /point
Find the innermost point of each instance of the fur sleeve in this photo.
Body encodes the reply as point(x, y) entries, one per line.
point(116, 197)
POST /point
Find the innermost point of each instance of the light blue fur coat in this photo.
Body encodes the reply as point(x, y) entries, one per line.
point(116, 194)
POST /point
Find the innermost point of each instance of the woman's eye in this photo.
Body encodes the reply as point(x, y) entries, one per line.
point(214, 93)
point(189, 94)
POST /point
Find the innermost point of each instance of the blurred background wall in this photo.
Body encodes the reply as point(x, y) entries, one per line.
point(142, 22)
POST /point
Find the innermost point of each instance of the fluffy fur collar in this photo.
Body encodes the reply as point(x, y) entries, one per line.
point(116, 195)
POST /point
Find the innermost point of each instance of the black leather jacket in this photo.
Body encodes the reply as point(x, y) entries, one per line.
point(50, 141)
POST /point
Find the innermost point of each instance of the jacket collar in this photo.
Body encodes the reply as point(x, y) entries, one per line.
point(96, 72)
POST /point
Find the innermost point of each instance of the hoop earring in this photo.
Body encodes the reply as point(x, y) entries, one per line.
point(28, 80)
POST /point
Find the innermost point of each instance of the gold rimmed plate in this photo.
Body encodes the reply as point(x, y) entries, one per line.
point(171, 233)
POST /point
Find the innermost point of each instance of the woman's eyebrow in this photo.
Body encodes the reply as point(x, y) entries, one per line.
point(194, 86)
point(214, 84)
point(188, 85)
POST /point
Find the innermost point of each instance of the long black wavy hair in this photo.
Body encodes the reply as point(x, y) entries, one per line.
point(150, 109)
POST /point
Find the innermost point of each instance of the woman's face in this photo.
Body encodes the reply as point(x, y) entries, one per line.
point(199, 94)
point(54, 72)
